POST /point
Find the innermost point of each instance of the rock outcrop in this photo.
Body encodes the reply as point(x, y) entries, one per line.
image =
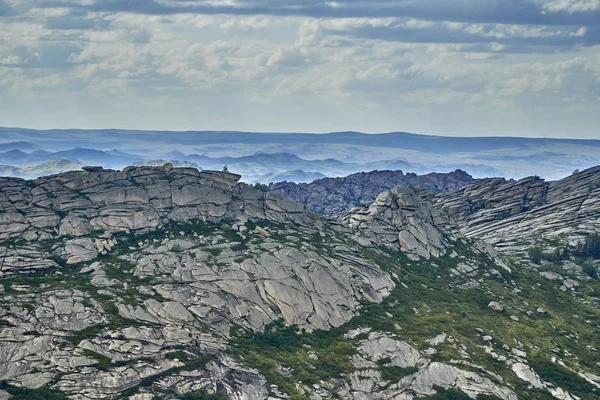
point(333, 196)
point(380, 349)
point(513, 215)
point(400, 219)
point(75, 204)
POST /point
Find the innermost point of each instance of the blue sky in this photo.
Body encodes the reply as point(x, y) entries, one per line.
point(453, 67)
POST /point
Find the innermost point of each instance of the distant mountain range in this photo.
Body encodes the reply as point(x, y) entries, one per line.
point(34, 170)
point(301, 157)
point(21, 146)
point(108, 158)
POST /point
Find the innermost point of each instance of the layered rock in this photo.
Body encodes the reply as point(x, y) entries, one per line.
point(161, 282)
point(303, 287)
point(138, 288)
point(332, 196)
point(78, 203)
point(137, 199)
point(513, 215)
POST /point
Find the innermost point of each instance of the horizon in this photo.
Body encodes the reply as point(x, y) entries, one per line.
point(331, 154)
point(593, 137)
point(444, 67)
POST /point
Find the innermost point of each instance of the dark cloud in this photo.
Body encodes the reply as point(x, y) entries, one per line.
point(525, 12)
point(77, 20)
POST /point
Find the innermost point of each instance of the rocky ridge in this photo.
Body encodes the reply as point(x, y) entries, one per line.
point(135, 199)
point(82, 210)
point(513, 215)
point(332, 196)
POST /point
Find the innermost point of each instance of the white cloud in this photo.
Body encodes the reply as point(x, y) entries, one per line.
point(203, 65)
point(571, 6)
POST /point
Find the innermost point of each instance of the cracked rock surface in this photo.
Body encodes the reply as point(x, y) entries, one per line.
point(171, 283)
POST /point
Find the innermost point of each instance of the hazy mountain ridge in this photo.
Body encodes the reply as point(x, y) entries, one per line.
point(37, 169)
point(481, 157)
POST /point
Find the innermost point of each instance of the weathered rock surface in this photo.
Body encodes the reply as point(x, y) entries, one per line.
point(135, 199)
point(224, 376)
point(301, 286)
point(367, 382)
point(332, 196)
point(161, 282)
point(399, 218)
point(512, 215)
point(201, 282)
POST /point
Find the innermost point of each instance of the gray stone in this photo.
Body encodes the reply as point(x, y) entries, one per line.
point(80, 250)
point(495, 306)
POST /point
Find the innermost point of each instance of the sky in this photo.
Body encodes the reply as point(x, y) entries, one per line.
point(446, 67)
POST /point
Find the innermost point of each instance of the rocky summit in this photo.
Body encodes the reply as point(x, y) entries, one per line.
point(173, 283)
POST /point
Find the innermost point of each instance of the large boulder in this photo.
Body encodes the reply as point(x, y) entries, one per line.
point(80, 250)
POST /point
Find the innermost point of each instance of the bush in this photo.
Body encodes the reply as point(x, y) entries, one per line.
point(394, 373)
point(44, 393)
point(202, 394)
point(536, 254)
point(590, 270)
point(590, 247)
point(565, 379)
point(261, 186)
point(443, 394)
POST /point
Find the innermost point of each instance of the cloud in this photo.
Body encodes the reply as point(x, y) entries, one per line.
point(571, 6)
point(554, 12)
point(77, 20)
point(266, 64)
point(5, 9)
point(511, 36)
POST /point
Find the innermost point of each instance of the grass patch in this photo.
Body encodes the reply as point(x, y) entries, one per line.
point(44, 393)
point(286, 347)
point(394, 374)
point(202, 394)
point(450, 394)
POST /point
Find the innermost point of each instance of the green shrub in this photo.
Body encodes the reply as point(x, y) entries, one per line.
point(443, 394)
point(44, 393)
point(564, 378)
point(590, 269)
point(260, 186)
point(536, 254)
point(590, 247)
point(394, 374)
point(202, 394)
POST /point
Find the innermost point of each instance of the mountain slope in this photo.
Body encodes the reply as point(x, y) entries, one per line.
point(20, 145)
point(174, 283)
point(34, 170)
